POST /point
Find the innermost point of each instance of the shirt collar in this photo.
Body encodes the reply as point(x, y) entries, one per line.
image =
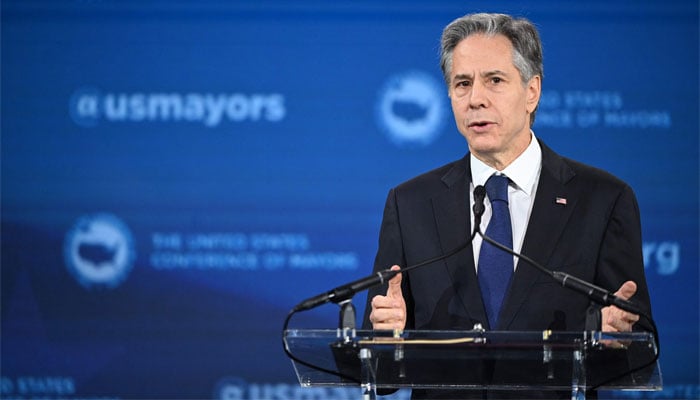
point(523, 171)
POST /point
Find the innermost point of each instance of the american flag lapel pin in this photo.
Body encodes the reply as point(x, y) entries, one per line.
point(560, 200)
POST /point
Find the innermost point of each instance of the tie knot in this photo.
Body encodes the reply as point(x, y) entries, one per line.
point(497, 188)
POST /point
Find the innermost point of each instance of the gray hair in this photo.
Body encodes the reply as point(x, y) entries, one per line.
point(527, 47)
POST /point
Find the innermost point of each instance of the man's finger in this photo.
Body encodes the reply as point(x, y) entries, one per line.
point(618, 320)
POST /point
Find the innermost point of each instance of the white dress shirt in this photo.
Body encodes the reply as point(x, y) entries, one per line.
point(524, 174)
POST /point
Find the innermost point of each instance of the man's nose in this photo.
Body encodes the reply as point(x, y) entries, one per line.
point(478, 96)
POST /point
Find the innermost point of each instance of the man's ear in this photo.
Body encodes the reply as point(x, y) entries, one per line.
point(534, 90)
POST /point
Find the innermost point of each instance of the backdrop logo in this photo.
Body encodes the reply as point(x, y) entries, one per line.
point(411, 107)
point(99, 251)
point(89, 106)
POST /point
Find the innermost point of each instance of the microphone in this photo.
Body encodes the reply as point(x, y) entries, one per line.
point(347, 291)
point(479, 195)
point(595, 293)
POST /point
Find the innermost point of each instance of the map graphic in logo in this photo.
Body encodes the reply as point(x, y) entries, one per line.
point(99, 251)
point(411, 108)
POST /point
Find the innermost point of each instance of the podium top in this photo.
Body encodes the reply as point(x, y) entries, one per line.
point(547, 360)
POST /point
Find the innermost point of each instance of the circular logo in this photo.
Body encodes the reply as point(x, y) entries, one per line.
point(411, 108)
point(99, 251)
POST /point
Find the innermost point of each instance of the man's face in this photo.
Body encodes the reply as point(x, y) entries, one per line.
point(491, 105)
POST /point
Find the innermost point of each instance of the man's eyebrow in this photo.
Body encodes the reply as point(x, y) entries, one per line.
point(493, 73)
point(485, 74)
point(462, 76)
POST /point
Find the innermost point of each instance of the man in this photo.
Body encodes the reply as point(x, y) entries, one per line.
point(563, 214)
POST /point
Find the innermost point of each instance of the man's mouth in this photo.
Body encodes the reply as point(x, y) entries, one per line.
point(478, 124)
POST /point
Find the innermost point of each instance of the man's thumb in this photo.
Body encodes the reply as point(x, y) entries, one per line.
point(395, 284)
point(627, 290)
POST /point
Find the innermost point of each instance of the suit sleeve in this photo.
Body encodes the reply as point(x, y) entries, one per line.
point(390, 252)
point(620, 257)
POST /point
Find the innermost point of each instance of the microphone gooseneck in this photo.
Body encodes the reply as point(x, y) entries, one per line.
point(593, 292)
point(347, 291)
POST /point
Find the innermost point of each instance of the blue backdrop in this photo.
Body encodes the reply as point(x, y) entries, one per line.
point(177, 175)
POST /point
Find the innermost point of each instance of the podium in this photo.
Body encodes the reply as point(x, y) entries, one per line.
point(569, 362)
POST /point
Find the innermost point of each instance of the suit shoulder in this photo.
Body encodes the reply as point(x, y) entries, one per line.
point(434, 180)
point(595, 177)
point(589, 179)
point(590, 172)
point(566, 169)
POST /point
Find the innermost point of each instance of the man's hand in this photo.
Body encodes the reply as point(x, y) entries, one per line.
point(389, 312)
point(614, 319)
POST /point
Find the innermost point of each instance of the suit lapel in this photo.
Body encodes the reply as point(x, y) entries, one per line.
point(453, 220)
point(554, 204)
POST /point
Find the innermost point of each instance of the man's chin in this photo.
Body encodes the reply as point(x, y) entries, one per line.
point(482, 148)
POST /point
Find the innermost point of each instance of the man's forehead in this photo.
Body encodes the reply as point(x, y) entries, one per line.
point(481, 53)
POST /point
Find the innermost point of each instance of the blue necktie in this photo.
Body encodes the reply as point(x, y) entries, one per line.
point(495, 265)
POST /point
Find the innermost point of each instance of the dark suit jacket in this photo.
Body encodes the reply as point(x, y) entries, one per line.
point(595, 236)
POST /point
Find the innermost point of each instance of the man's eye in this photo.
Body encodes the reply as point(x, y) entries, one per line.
point(496, 79)
point(463, 84)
